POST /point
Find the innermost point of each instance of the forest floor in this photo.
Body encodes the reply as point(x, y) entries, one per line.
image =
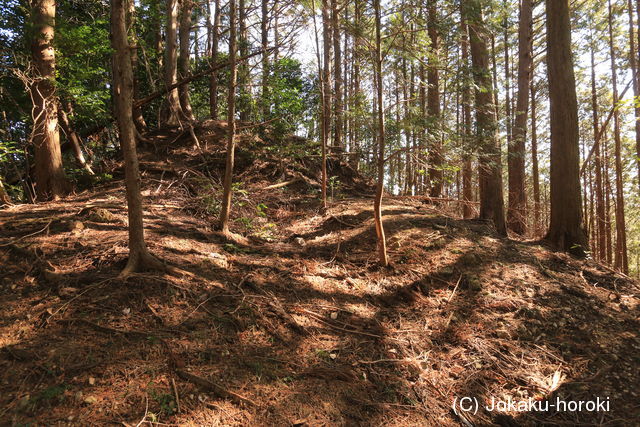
point(294, 324)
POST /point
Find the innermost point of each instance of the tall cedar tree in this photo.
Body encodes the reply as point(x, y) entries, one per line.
point(50, 179)
point(377, 204)
point(139, 256)
point(433, 104)
point(566, 232)
point(490, 163)
point(516, 215)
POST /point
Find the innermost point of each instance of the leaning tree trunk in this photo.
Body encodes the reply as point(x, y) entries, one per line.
point(377, 205)
point(50, 179)
point(516, 215)
point(139, 256)
point(173, 114)
point(566, 232)
point(490, 163)
point(184, 61)
point(74, 140)
point(225, 212)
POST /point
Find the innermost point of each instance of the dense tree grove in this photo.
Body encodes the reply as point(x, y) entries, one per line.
point(522, 113)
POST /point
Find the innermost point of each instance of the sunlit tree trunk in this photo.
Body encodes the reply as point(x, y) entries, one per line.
point(535, 174)
point(467, 171)
point(184, 60)
point(74, 140)
point(50, 179)
point(225, 211)
point(621, 259)
point(601, 245)
point(516, 217)
point(264, 41)
point(139, 256)
point(326, 94)
point(377, 205)
point(566, 230)
point(173, 113)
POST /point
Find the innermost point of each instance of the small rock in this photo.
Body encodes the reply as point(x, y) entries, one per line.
point(75, 226)
point(90, 400)
point(334, 315)
point(300, 241)
point(126, 311)
point(92, 381)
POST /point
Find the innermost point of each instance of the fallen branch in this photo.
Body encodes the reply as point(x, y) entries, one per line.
point(282, 184)
point(214, 388)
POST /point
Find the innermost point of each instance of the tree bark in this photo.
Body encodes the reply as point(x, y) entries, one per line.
point(173, 114)
point(433, 104)
point(621, 260)
point(516, 215)
point(225, 211)
point(50, 179)
point(4, 197)
point(184, 61)
point(535, 174)
point(326, 94)
point(490, 163)
point(338, 83)
point(138, 119)
point(213, 79)
point(566, 232)
point(601, 245)
point(244, 104)
point(377, 205)
point(264, 40)
point(139, 256)
point(74, 140)
point(467, 171)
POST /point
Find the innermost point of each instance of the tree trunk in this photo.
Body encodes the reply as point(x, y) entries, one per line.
point(516, 216)
point(633, 62)
point(213, 78)
point(4, 197)
point(566, 231)
point(74, 140)
point(377, 205)
point(223, 224)
point(326, 94)
point(601, 245)
point(433, 104)
point(338, 83)
point(534, 161)
point(50, 179)
point(138, 120)
point(244, 104)
point(490, 163)
point(467, 171)
point(184, 61)
point(139, 256)
point(264, 41)
point(621, 259)
point(173, 114)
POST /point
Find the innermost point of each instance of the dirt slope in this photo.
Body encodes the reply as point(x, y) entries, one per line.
point(297, 326)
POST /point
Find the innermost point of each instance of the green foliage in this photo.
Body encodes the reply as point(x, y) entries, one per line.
point(289, 97)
